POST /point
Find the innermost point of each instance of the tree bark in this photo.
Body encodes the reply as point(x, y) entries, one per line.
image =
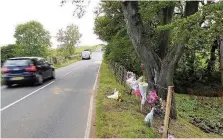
point(164, 68)
point(220, 42)
point(140, 40)
point(164, 35)
point(191, 8)
point(211, 62)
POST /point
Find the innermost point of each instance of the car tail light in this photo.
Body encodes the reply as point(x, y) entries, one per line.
point(5, 70)
point(31, 69)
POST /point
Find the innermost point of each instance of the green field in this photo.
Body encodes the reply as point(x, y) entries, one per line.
point(92, 48)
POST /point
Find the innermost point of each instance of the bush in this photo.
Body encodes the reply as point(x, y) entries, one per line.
point(120, 50)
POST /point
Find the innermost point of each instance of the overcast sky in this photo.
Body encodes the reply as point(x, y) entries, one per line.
point(49, 13)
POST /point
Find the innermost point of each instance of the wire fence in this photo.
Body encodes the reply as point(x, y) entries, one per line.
point(119, 71)
point(121, 74)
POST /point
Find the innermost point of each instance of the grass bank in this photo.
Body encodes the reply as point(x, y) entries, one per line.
point(68, 62)
point(197, 118)
point(203, 112)
point(116, 119)
point(92, 48)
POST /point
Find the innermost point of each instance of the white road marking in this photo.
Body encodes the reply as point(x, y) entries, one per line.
point(88, 128)
point(17, 101)
point(72, 71)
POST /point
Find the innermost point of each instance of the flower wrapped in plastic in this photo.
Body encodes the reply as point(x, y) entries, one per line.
point(152, 98)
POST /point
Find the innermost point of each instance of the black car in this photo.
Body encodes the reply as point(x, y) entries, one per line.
point(21, 70)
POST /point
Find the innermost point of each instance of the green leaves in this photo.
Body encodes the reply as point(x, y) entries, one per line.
point(68, 39)
point(197, 32)
point(108, 25)
point(111, 28)
point(32, 39)
point(8, 52)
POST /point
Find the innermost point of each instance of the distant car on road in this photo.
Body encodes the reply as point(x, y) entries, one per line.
point(22, 70)
point(86, 54)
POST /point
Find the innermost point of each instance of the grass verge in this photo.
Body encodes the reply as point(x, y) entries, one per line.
point(116, 119)
point(190, 107)
point(68, 62)
point(204, 112)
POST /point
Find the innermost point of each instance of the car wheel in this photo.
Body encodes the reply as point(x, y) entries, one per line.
point(39, 79)
point(53, 76)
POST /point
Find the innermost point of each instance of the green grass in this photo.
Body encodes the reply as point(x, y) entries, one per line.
point(116, 119)
point(68, 62)
point(82, 48)
point(208, 108)
point(189, 107)
point(183, 129)
point(195, 106)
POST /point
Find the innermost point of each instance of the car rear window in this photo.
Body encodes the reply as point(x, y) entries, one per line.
point(18, 62)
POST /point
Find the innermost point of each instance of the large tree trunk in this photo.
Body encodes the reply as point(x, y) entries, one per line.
point(164, 68)
point(140, 40)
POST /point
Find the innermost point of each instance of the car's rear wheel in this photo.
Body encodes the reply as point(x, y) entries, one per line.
point(39, 79)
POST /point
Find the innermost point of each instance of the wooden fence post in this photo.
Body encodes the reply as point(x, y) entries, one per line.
point(173, 111)
point(167, 114)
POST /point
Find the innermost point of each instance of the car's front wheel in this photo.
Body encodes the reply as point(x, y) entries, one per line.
point(39, 79)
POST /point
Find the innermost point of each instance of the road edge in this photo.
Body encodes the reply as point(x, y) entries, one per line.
point(88, 131)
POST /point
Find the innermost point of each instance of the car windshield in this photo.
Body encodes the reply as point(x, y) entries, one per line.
point(17, 62)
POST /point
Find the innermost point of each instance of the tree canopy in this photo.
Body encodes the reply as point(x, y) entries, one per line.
point(32, 39)
point(68, 38)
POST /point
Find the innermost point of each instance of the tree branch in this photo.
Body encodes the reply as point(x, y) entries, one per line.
point(138, 36)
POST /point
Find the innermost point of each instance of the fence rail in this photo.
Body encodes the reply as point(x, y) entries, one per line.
point(119, 71)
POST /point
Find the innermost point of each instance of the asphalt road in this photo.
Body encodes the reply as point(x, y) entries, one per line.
point(57, 109)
